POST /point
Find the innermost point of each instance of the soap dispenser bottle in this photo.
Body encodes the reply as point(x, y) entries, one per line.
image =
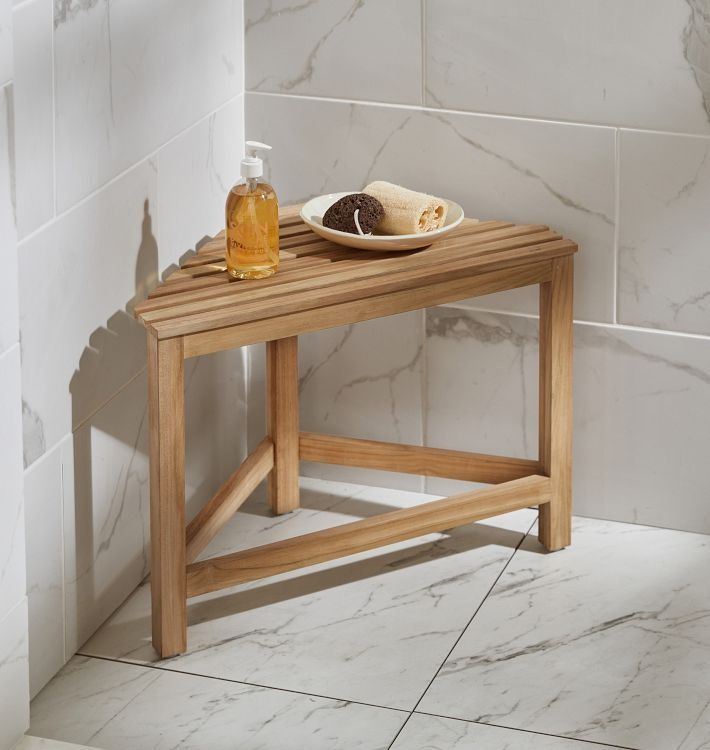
point(252, 231)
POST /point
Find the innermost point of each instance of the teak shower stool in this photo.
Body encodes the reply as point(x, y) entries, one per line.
point(199, 310)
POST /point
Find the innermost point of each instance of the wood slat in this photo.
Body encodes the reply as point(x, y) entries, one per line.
point(329, 294)
point(483, 243)
point(366, 534)
point(368, 308)
point(372, 276)
point(229, 498)
point(414, 459)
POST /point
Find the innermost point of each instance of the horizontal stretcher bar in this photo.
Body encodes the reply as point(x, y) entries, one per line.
point(414, 459)
point(369, 533)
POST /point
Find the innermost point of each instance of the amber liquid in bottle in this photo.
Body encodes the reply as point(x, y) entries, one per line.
point(252, 230)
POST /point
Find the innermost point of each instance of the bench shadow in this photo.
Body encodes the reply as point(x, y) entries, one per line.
point(107, 485)
point(253, 596)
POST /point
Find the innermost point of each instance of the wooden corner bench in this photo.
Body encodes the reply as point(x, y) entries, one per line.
point(199, 309)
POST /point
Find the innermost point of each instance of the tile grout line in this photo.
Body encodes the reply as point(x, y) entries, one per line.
point(617, 217)
point(464, 629)
point(158, 669)
point(478, 113)
point(596, 743)
point(457, 305)
point(150, 156)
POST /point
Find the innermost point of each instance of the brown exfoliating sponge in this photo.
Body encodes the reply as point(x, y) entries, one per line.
point(341, 214)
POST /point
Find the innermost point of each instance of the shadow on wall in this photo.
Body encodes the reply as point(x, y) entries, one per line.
point(107, 490)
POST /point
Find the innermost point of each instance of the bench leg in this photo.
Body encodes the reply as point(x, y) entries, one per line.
point(555, 440)
point(282, 422)
point(167, 495)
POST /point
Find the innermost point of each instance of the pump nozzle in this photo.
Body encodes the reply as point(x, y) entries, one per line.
point(251, 164)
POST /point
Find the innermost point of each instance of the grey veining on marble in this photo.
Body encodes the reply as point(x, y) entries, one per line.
point(698, 738)
point(354, 49)
point(424, 732)
point(574, 61)
point(523, 171)
point(346, 629)
point(364, 381)
point(606, 641)
point(640, 405)
point(116, 706)
point(664, 263)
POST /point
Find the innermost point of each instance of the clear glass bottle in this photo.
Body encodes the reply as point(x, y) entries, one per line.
point(252, 219)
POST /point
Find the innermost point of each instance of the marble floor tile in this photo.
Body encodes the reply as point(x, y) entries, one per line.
point(607, 641)
point(118, 706)
point(698, 738)
point(424, 732)
point(40, 743)
point(373, 628)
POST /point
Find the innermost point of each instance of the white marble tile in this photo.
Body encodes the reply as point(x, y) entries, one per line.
point(12, 518)
point(197, 170)
point(539, 172)
point(5, 41)
point(155, 69)
point(364, 381)
point(664, 263)
point(45, 567)
point(14, 689)
point(640, 401)
point(80, 343)
point(606, 641)
point(351, 50)
point(345, 629)
point(115, 706)
point(587, 62)
point(34, 115)
point(424, 732)
point(640, 430)
point(8, 249)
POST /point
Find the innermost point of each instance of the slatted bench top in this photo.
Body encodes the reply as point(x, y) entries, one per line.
point(320, 284)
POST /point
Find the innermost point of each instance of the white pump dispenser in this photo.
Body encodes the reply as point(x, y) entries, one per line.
point(252, 220)
point(251, 165)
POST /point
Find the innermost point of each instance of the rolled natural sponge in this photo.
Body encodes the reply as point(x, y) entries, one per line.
point(341, 215)
point(406, 211)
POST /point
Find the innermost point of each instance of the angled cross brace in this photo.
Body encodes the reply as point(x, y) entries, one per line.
point(369, 533)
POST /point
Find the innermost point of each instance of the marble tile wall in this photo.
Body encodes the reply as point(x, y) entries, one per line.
point(129, 125)
point(14, 669)
point(566, 113)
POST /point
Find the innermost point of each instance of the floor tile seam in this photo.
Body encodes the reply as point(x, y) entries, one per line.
point(581, 740)
point(232, 681)
point(465, 628)
point(478, 608)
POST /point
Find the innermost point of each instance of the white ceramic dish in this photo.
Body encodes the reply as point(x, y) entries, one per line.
point(312, 213)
